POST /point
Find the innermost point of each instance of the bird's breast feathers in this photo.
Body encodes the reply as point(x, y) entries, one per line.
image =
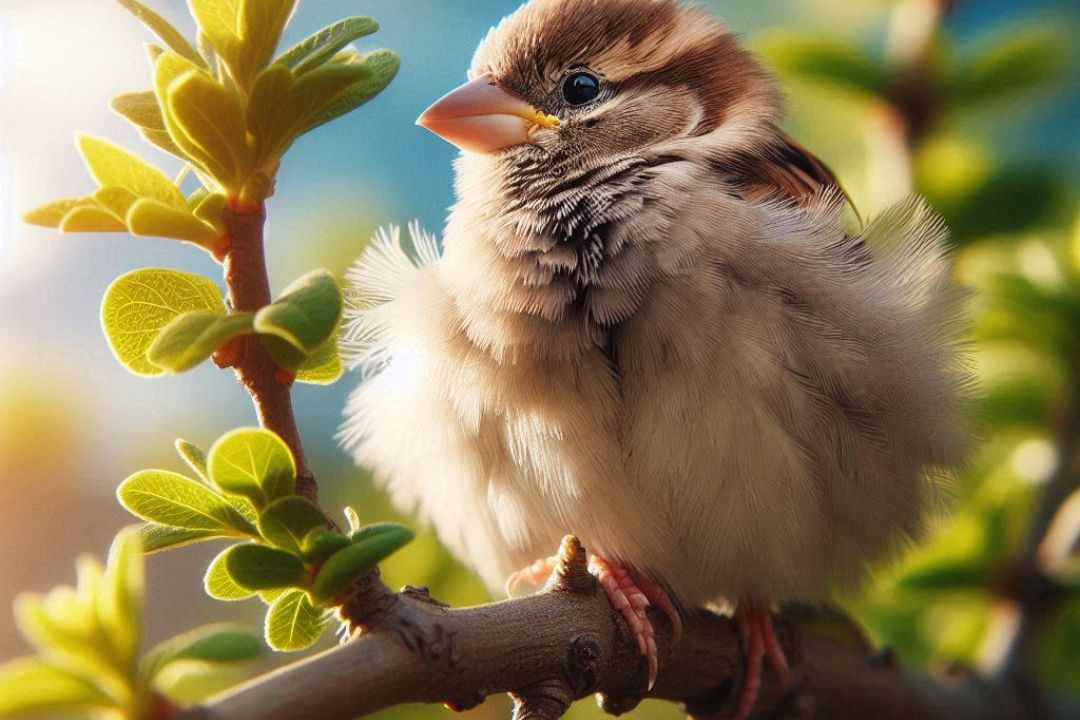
point(761, 419)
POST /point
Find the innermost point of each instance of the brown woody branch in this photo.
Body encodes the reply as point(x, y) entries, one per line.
point(249, 290)
point(566, 643)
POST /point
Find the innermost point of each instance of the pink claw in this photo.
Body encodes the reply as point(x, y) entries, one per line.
point(534, 576)
point(631, 594)
point(759, 642)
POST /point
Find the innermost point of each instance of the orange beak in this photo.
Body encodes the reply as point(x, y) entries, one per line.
point(481, 117)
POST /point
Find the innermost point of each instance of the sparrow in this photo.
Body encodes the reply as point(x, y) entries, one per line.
point(648, 326)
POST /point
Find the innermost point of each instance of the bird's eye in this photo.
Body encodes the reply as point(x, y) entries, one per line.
point(580, 88)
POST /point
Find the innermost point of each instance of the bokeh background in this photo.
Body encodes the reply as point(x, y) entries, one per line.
point(975, 104)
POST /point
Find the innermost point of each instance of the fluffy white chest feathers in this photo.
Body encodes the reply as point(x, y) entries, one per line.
point(748, 404)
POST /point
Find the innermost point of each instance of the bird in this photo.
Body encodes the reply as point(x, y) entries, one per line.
point(648, 324)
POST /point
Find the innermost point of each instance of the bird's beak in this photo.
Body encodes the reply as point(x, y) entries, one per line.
point(482, 117)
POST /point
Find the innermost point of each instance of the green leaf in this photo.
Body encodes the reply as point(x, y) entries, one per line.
point(32, 686)
point(293, 623)
point(947, 575)
point(164, 30)
point(140, 303)
point(156, 538)
point(111, 165)
point(374, 530)
point(321, 543)
point(261, 24)
point(381, 67)
point(212, 118)
point(215, 644)
point(52, 214)
point(119, 601)
point(351, 563)
point(140, 108)
point(1021, 62)
point(193, 337)
point(90, 218)
point(193, 456)
point(285, 522)
point(258, 567)
point(167, 498)
point(825, 60)
point(306, 315)
point(322, 367)
point(316, 49)
point(253, 463)
point(219, 584)
point(269, 98)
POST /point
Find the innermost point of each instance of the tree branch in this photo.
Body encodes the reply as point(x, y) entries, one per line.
point(1029, 596)
point(566, 642)
point(249, 290)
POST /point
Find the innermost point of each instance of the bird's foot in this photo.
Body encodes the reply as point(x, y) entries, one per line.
point(628, 591)
point(534, 576)
point(631, 594)
point(758, 643)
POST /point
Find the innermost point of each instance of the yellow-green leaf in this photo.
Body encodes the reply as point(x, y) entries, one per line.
point(210, 210)
point(167, 498)
point(119, 602)
point(213, 644)
point(90, 217)
point(141, 109)
point(320, 47)
point(308, 97)
point(219, 584)
point(193, 337)
point(193, 456)
point(52, 214)
point(116, 200)
point(212, 117)
point(219, 21)
point(168, 69)
point(164, 30)
point(112, 165)
point(140, 303)
point(293, 623)
point(156, 538)
point(149, 218)
point(322, 367)
point(381, 67)
point(261, 24)
point(253, 463)
point(32, 686)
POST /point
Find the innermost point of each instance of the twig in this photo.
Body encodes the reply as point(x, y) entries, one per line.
point(249, 290)
point(1029, 595)
point(566, 643)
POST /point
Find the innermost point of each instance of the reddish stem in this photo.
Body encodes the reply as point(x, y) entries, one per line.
point(249, 290)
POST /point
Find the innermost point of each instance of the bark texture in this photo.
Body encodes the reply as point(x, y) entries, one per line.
point(566, 643)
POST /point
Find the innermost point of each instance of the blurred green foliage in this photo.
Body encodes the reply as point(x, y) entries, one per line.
point(943, 118)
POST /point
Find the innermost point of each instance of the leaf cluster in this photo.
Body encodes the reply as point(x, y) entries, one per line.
point(228, 108)
point(244, 490)
point(167, 321)
point(88, 639)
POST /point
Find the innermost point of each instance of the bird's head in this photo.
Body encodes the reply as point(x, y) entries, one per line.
point(579, 84)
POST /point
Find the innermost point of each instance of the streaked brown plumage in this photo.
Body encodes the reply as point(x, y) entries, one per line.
point(648, 327)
